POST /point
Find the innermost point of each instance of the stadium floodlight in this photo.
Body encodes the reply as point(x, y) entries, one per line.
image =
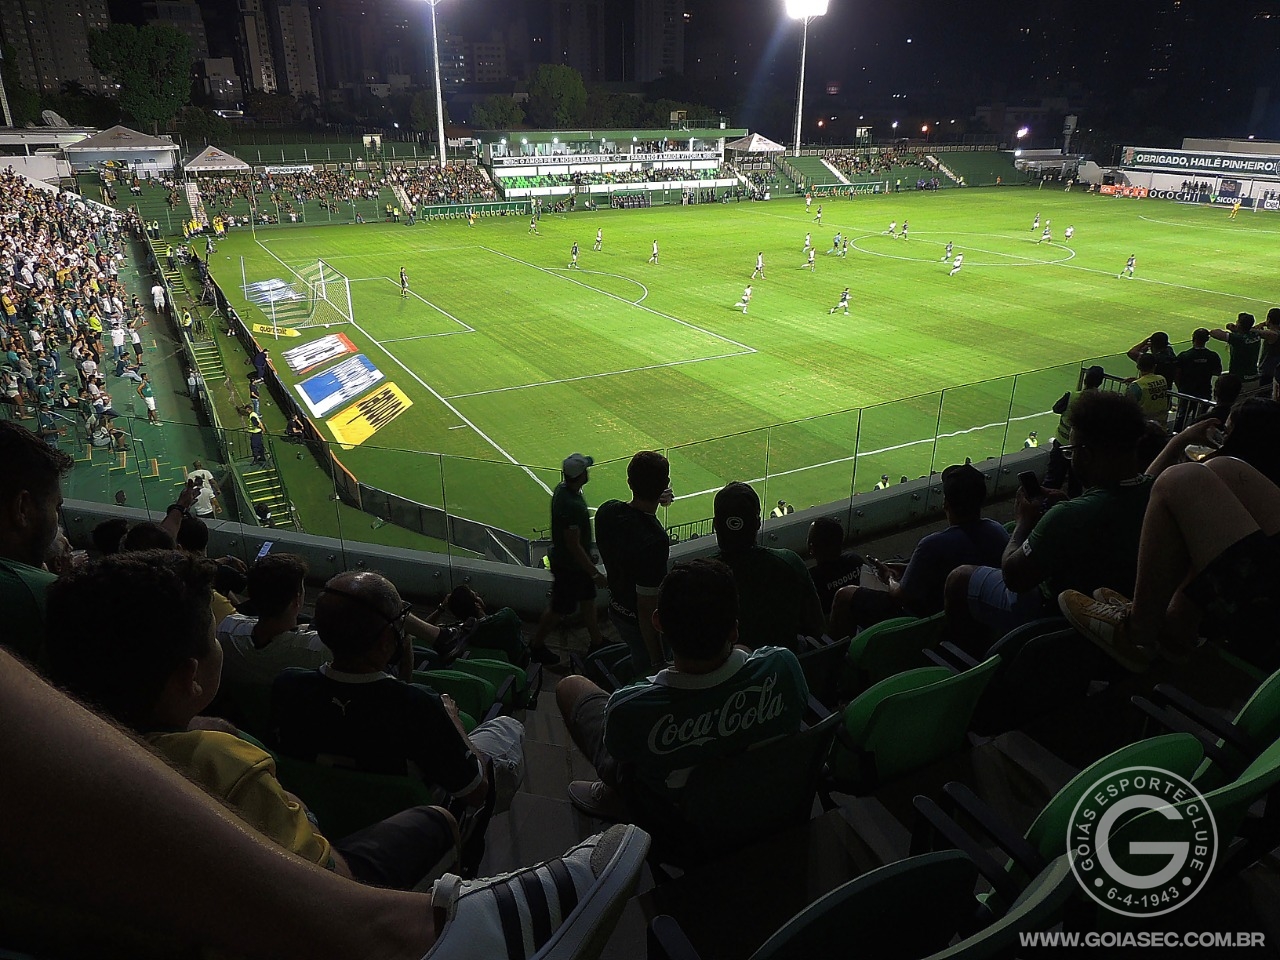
point(435, 61)
point(1023, 131)
point(804, 11)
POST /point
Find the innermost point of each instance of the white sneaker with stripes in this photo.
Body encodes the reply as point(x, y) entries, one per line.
point(564, 909)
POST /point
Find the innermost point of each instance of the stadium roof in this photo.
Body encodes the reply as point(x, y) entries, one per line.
point(120, 138)
point(213, 160)
point(755, 144)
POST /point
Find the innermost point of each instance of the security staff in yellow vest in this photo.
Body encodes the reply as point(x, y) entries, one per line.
point(884, 482)
point(1151, 390)
point(255, 429)
point(1031, 442)
point(188, 324)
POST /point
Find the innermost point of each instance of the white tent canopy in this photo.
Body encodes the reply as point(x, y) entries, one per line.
point(754, 143)
point(213, 160)
point(143, 154)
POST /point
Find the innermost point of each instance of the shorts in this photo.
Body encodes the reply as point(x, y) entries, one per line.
point(994, 605)
point(399, 852)
point(570, 587)
point(586, 726)
point(1238, 587)
point(150, 402)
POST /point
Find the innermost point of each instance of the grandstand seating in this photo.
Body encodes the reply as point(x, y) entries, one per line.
point(979, 168)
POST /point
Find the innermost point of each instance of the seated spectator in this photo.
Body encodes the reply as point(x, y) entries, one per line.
point(258, 647)
point(777, 596)
point(193, 536)
point(107, 535)
point(487, 631)
point(1059, 544)
point(156, 670)
point(355, 713)
point(295, 431)
point(643, 739)
point(834, 567)
point(1226, 390)
point(147, 535)
point(30, 497)
point(1210, 549)
point(229, 889)
point(915, 589)
point(1057, 474)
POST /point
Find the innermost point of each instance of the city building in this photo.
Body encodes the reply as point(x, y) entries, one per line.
point(184, 16)
point(50, 39)
point(257, 65)
point(293, 44)
point(218, 78)
point(659, 38)
point(489, 61)
point(588, 35)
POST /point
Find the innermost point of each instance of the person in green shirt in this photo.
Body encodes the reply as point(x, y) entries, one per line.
point(30, 497)
point(779, 601)
point(149, 398)
point(574, 576)
point(1243, 345)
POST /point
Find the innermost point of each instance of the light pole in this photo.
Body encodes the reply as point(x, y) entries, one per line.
point(804, 11)
point(435, 60)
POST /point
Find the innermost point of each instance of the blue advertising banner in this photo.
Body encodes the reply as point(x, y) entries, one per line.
point(330, 389)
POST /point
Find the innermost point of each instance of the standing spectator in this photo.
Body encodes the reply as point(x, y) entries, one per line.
point(1151, 391)
point(260, 363)
point(1158, 346)
point(30, 497)
point(574, 577)
point(149, 398)
point(157, 297)
point(1243, 346)
point(206, 504)
point(778, 599)
point(1269, 359)
point(1197, 367)
point(635, 549)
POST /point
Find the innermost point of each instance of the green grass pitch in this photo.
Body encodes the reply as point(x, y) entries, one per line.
point(512, 360)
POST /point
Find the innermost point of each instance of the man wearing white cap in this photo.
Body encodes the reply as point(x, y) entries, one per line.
point(574, 576)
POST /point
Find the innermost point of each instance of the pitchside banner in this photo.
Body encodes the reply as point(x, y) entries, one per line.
point(308, 356)
point(1191, 161)
point(327, 391)
point(360, 421)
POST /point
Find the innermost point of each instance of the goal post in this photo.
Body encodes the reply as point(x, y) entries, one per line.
point(328, 293)
point(316, 295)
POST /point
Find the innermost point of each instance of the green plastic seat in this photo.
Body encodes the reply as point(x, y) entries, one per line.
point(900, 911)
point(1258, 721)
point(474, 696)
point(906, 722)
point(821, 667)
point(1036, 909)
point(345, 801)
point(731, 802)
point(509, 681)
point(888, 648)
point(1042, 672)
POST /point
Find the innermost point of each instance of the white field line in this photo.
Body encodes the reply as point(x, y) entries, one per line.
point(593, 376)
point(426, 386)
point(869, 453)
point(613, 296)
point(465, 327)
point(601, 273)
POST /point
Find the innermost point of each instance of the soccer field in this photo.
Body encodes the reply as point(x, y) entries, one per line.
point(511, 360)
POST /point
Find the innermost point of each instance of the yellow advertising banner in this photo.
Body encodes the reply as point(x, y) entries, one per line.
point(275, 331)
point(355, 424)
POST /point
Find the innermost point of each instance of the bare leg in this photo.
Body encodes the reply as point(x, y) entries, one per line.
point(592, 620)
point(1179, 539)
point(172, 859)
point(546, 622)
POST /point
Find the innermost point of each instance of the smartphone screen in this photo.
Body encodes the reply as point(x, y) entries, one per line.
point(266, 548)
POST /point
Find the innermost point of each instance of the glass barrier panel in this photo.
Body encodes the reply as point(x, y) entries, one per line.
point(896, 440)
point(699, 470)
point(973, 424)
point(496, 507)
point(390, 497)
point(811, 461)
point(1034, 395)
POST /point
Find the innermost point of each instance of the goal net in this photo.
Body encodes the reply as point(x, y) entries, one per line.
point(328, 295)
point(316, 295)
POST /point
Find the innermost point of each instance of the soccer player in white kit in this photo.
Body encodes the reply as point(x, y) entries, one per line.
point(1069, 232)
point(808, 242)
point(653, 257)
point(811, 264)
point(759, 271)
point(893, 228)
point(746, 299)
point(956, 265)
point(599, 244)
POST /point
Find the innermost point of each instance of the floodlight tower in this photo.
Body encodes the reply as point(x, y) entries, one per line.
point(804, 11)
point(435, 61)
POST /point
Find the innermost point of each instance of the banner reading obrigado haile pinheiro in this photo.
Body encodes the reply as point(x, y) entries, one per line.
point(1195, 162)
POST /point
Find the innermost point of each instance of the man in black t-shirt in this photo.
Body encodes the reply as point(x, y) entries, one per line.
point(834, 567)
point(354, 713)
point(635, 547)
point(1196, 369)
